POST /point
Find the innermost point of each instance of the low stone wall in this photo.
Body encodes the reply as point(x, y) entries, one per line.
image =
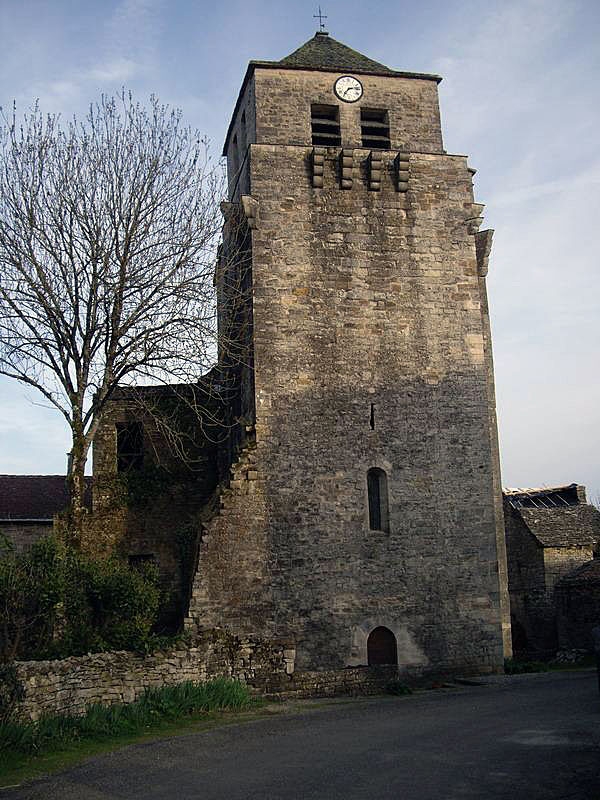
point(330, 683)
point(68, 686)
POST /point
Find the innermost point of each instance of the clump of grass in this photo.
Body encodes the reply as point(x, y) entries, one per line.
point(167, 703)
point(396, 687)
point(513, 667)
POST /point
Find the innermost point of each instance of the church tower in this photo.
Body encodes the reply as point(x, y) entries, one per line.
point(362, 522)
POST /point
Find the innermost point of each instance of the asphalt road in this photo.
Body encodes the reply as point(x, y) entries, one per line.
point(523, 738)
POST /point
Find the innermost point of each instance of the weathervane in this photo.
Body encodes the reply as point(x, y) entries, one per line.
point(320, 17)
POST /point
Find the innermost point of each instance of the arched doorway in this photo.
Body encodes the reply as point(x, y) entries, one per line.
point(381, 647)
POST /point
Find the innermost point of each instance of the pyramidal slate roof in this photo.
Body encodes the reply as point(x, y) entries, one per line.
point(323, 52)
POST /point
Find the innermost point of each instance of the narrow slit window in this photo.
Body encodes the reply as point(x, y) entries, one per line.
point(325, 125)
point(130, 446)
point(378, 500)
point(375, 129)
point(372, 420)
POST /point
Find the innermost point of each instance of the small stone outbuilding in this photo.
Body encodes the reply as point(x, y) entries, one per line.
point(549, 533)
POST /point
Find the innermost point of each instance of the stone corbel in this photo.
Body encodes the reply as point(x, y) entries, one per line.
point(483, 248)
point(375, 165)
point(318, 167)
point(346, 165)
point(475, 217)
point(251, 211)
point(401, 170)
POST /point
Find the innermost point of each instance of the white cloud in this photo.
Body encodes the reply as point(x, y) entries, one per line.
point(115, 71)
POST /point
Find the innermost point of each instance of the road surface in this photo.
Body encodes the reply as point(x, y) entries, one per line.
point(521, 738)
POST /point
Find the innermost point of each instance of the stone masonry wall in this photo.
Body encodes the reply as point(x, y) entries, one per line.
point(559, 561)
point(362, 300)
point(25, 534)
point(531, 618)
point(145, 512)
point(69, 685)
point(578, 606)
point(284, 98)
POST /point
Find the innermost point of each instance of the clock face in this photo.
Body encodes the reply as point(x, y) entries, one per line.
point(348, 89)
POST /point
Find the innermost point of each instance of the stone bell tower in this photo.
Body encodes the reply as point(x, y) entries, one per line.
point(363, 519)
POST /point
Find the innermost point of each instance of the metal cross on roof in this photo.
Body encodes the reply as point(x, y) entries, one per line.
point(320, 17)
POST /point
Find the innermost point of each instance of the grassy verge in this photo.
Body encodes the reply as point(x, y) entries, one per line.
point(515, 667)
point(54, 742)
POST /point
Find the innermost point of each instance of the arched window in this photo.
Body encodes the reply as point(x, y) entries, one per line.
point(381, 647)
point(378, 500)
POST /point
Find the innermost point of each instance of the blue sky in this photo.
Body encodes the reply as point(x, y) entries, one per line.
point(519, 95)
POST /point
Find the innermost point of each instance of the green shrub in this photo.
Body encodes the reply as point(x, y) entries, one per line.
point(110, 606)
point(32, 585)
point(396, 687)
point(57, 602)
point(512, 667)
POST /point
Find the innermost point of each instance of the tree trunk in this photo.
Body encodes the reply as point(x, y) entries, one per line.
point(77, 511)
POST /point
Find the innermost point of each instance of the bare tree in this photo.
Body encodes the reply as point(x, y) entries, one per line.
point(108, 229)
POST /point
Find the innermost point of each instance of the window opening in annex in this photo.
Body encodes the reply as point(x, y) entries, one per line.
point(130, 446)
point(381, 647)
point(377, 490)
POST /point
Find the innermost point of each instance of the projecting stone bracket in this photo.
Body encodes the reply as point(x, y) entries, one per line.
point(402, 171)
point(318, 167)
point(346, 165)
point(483, 248)
point(376, 162)
point(375, 168)
point(475, 217)
point(251, 211)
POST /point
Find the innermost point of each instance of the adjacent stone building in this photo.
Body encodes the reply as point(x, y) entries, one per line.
point(156, 468)
point(549, 533)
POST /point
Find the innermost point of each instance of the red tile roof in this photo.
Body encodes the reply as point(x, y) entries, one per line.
point(32, 497)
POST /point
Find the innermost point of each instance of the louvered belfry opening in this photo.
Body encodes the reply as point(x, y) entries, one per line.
point(325, 123)
point(375, 128)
